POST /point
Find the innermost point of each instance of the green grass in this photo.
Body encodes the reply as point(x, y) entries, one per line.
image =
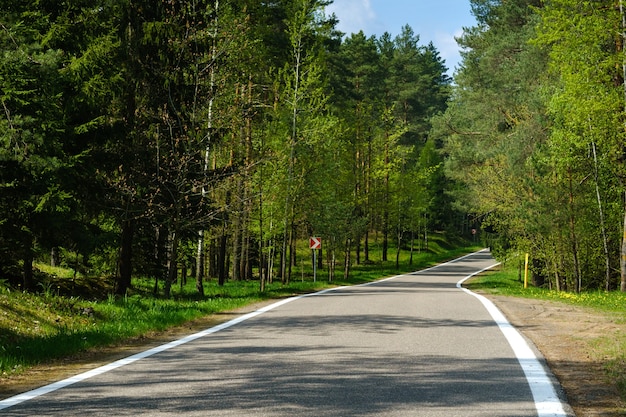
point(507, 282)
point(38, 328)
point(57, 271)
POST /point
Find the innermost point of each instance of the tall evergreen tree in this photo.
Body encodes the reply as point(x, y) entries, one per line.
point(358, 103)
point(493, 126)
point(38, 157)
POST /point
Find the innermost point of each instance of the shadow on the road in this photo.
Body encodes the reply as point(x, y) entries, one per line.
point(364, 323)
point(220, 376)
point(302, 381)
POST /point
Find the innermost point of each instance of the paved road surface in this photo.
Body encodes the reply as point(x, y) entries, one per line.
point(414, 345)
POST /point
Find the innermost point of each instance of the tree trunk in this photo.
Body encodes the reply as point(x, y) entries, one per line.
point(538, 278)
point(366, 247)
point(386, 210)
point(399, 242)
point(183, 275)
point(368, 200)
point(347, 261)
point(211, 258)
point(27, 258)
point(605, 242)
point(200, 263)
point(330, 255)
point(412, 247)
point(200, 252)
point(246, 266)
point(286, 275)
point(221, 258)
point(283, 258)
point(557, 279)
point(623, 257)
point(271, 258)
point(573, 235)
point(385, 247)
point(262, 266)
point(159, 248)
point(172, 264)
point(623, 251)
point(331, 265)
point(242, 262)
point(236, 235)
point(54, 256)
point(292, 253)
point(124, 270)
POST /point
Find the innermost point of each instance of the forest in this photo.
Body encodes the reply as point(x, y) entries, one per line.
point(210, 138)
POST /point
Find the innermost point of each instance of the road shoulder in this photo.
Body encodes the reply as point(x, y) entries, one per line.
point(567, 337)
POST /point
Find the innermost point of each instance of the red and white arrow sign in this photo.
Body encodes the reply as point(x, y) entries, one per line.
point(315, 243)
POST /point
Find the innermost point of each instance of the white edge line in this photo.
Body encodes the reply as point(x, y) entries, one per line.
point(547, 401)
point(12, 401)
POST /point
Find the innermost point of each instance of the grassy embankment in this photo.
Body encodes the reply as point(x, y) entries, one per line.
point(39, 328)
point(609, 349)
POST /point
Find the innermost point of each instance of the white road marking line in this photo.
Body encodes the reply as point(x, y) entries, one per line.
point(12, 401)
point(547, 401)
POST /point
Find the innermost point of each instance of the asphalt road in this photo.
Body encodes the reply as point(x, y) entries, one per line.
point(414, 345)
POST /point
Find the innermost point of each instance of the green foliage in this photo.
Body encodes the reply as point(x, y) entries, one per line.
point(535, 133)
point(142, 137)
point(388, 89)
point(32, 153)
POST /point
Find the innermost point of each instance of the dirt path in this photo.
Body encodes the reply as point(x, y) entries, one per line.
point(564, 334)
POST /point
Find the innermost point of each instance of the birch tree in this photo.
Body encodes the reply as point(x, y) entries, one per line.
point(587, 60)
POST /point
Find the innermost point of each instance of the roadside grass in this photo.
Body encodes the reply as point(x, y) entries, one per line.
point(609, 349)
point(39, 328)
point(506, 281)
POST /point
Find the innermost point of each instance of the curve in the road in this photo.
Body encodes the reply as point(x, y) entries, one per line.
point(544, 394)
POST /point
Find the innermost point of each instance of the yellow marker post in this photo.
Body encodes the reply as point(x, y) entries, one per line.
point(526, 272)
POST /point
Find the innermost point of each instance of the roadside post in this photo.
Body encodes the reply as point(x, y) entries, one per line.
point(526, 272)
point(314, 244)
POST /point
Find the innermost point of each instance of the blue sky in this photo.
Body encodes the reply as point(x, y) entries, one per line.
point(436, 21)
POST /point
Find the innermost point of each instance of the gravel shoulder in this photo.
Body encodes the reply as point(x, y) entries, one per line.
point(566, 335)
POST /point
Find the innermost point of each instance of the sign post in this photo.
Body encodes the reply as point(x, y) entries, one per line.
point(526, 272)
point(314, 244)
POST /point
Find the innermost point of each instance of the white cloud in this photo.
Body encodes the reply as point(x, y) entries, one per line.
point(448, 48)
point(354, 15)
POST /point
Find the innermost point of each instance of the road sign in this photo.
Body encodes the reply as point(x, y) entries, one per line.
point(315, 243)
